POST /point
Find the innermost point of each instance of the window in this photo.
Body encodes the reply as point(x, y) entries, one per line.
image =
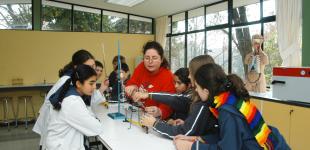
point(195, 45)
point(196, 19)
point(114, 22)
point(16, 14)
point(177, 52)
point(241, 46)
point(167, 50)
point(217, 14)
point(56, 16)
point(217, 47)
point(178, 23)
point(269, 8)
point(86, 19)
point(140, 25)
point(215, 38)
point(246, 11)
point(169, 24)
point(271, 49)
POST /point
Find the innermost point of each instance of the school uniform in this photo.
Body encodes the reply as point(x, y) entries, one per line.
point(66, 127)
point(199, 122)
point(41, 123)
point(43, 118)
point(236, 131)
point(180, 103)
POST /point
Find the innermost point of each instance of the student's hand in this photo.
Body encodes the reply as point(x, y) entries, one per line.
point(153, 110)
point(104, 85)
point(148, 120)
point(182, 144)
point(131, 89)
point(137, 96)
point(171, 122)
point(178, 122)
point(187, 138)
point(175, 122)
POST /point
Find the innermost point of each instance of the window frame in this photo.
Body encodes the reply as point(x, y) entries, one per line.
point(72, 18)
point(229, 25)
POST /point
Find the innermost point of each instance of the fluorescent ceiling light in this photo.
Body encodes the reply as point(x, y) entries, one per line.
point(128, 3)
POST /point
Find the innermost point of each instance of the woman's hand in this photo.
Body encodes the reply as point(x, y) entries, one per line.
point(153, 110)
point(148, 120)
point(130, 89)
point(137, 96)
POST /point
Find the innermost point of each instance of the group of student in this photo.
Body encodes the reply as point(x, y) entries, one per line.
point(200, 107)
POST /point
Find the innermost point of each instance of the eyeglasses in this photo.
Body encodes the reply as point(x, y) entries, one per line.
point(149, 59)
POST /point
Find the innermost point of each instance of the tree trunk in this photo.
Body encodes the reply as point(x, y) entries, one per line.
point(242, 34)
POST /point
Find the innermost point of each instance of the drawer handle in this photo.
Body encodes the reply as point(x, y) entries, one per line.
point(277, 82)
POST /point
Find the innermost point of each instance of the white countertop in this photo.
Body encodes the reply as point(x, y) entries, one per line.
point(118, 136)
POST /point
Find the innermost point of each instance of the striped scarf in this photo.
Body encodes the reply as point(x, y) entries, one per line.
point(259, 128)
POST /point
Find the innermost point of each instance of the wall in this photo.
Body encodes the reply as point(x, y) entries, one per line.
point(36, 56)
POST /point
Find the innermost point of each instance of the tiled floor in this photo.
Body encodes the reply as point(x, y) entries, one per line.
point(19, 138)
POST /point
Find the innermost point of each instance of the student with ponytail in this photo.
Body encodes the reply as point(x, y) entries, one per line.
point(70, 119)
point(78, 58)
point(241, 125)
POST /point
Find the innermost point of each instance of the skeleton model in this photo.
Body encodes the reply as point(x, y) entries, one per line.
point(256, 62)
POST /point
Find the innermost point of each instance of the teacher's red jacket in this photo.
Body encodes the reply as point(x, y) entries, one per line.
point(162, 81)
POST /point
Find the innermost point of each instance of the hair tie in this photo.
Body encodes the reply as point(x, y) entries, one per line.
point(228, 84)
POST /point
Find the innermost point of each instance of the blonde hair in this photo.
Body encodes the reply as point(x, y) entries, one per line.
point(194, 65)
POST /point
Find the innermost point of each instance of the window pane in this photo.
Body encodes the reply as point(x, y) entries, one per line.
point(195, 45)
point(217, 14)
point(178, 23)
point(196, 19)
point(15, 16)
point(269, 8)
point(114, 22)
point(246, 11)
point(140, 25)
point(86, 19)
point(56, 16)
point(166, 49)
point(177, 52)
point(271, 49)
point(242, 45)
point(217, 46)
point(169, 25)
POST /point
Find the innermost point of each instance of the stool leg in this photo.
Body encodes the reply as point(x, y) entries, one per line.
point(13, 110)
point(17, 113)
point(7, 113)
point(34, 115)
point(3, 103)
point(26, 116)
